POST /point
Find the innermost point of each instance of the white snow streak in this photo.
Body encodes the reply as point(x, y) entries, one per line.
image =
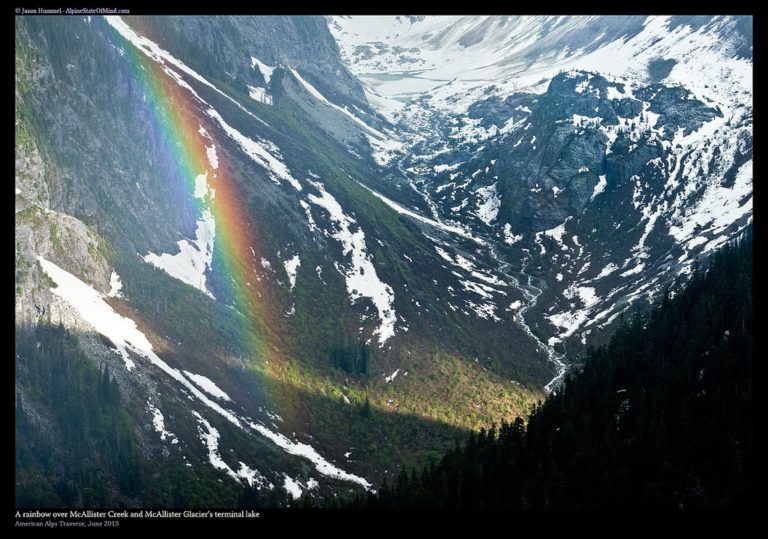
point(291, 268)
point(392, 376)
point(123, 332)
point(158, 421)
point(210, 436)
point(207, 385)
point(115, 286)
point(297, 448)
point(266, 70)
point(599, 187)
point(442, 226)
point(361, 277)
point(213, 158)
point(258, 151)
point(92, 308)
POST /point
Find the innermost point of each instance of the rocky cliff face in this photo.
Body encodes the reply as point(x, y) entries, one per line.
point(592, 163)
point(290, 274)
point(41, 231)
point(225, 49)
point(582, 135)
point(595, 188)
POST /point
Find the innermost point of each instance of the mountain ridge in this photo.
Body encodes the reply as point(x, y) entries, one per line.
point(271, 258)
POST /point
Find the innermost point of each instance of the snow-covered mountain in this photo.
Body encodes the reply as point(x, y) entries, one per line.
point(549, 134)
point(294, 242)
point(450, 61)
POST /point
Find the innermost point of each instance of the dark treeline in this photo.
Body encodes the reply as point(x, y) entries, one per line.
point(352, 359)
point(660, 417)
point(77, 443)
point(75, 447)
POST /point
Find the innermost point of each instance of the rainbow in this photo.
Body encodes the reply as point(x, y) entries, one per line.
point(186, 137)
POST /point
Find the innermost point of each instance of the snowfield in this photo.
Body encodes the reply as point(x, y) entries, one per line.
point(194, 258)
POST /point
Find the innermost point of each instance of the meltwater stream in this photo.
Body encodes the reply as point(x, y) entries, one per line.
point(530, 292)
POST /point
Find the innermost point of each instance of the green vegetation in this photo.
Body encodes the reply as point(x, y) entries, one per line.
point(76, 441)
point(55, 240)
point(412, 420)
point(35, 217)
point(176, 309)
point(76, 447)
point(660, 417)
point(25, 63)
point(353, 359)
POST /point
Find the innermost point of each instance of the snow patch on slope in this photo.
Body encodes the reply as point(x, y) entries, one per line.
point(509, 237)
point(207, 385)
point(115, 286)
point(293, 487)
point(572, 320)
point(599, 187)
point(291, 268)
point(489, 204)
point(391, 377)
point(361, 277)
point(607, 270)
point(259, 94)
point(158, 421)
point(213, 158)
point(125, 335)
point(194, 258)
point(266, 70)
point(92, 308)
